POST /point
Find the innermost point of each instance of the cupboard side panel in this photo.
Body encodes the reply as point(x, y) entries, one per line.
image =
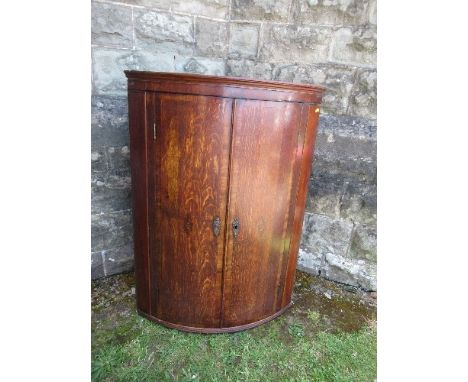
point(262, 187)
point(137, 128)
point(302, 123)
point(306, 168)
point(189, 173)
point(154, 259)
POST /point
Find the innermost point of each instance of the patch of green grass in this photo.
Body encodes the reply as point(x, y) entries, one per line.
point(296, 330)
point(140, 350)
point(313, 316)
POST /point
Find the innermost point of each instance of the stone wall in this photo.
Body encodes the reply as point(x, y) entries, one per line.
point(325, 42)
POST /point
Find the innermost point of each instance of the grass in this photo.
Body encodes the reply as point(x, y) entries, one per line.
point(313, 316)
point(139, 350)
point(318, 339)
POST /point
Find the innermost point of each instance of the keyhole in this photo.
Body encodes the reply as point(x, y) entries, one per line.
point(235, 227)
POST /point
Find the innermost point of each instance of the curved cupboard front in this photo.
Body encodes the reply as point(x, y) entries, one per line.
point(220, 168)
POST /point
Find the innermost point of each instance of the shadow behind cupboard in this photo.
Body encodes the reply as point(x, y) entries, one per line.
point(220, 168)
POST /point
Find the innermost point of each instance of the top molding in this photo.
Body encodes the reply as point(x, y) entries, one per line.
point(230, 87)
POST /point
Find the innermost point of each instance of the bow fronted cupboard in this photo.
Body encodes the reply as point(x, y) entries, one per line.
point(220, 169)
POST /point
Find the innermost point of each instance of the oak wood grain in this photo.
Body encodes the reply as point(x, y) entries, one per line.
point(230, 87)
point(312, 114)
point(137, 128)
point(204, 147)
point(188, 189)
point(262, 187)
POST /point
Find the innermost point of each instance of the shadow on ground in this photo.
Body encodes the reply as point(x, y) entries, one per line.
point(329, 334)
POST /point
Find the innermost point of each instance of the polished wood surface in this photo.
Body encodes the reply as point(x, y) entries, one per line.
point(219, 173)
point(189, 151)
point(225, 329)
point(311, 119)
point(137, 123)
point(262, 188)
point(230, 87)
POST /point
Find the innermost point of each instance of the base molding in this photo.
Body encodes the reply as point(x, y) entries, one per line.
point(230, 329)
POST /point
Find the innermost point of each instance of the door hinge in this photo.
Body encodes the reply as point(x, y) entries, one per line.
point(154, 131)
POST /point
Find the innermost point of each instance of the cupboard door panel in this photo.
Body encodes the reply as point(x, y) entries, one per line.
point(266, 153)
point(189, 157)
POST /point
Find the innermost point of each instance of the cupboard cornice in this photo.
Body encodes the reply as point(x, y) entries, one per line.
point(229, 87)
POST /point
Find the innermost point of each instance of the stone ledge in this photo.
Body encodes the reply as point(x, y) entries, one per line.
point(353, 273)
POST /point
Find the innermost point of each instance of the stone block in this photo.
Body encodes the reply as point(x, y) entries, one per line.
point(349, 126)
point(154, 61)
point(110, 193)
point(358, 273)
point(339, 172)
point(201, 65)
point(97, 266)
point(271, 10)
point(344, 173)
point(330, 12)
point(210, 8)
point(119, 159)
point(334, 147)
point(324, 251)
point(243, 40)
point(359, 202)
point(118, 260)
point(109, 65)
point(310, 262)
point(287, 43)
point(372, 12)
point(162, 32)
point(161, 4)
point(325, 190)
point(99, 162)
point(337, 78)
point(211, 38)
point(112, 229)
point(323, 234)
point(341, 190)
point(364, 243)
point(356, 46)
point(109, 123)
point(363, 98)
point(249, 69)
point(97, 233)
point(111, 25)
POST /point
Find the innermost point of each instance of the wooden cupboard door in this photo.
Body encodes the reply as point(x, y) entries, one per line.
point(267, 144)
point(188, 161)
